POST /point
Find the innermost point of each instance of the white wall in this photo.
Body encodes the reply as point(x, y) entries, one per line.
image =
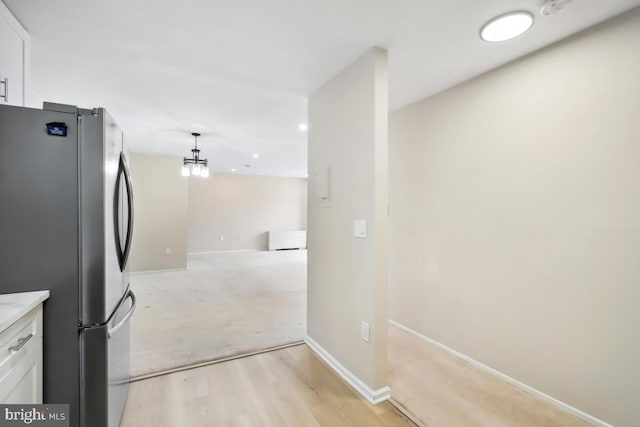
point(347, 277)
point(160, 203)
point(515, 219)
point(191, 214)
point(242, 209)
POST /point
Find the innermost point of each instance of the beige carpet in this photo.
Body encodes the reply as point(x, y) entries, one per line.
point(443, 391)
point(224, 305)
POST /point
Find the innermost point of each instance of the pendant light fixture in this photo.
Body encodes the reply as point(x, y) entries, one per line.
point(195, 165)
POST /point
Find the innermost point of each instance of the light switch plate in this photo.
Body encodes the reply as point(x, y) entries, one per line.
point(360, 228)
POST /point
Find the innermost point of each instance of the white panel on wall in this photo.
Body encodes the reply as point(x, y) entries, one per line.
point(321, 187)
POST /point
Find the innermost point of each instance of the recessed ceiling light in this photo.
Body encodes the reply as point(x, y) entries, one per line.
point(506, 27)
point(233, 169)
point(302, 127)
point(256, 155)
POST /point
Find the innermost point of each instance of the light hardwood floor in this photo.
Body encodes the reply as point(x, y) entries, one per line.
point(288, 387)
point(441, 390)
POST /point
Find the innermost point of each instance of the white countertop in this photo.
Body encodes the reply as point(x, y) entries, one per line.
point(14, 306)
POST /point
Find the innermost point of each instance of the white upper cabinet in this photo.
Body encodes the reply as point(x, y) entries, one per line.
point(14, 59)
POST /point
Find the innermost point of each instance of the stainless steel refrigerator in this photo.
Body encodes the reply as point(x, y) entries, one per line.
point(66, 223)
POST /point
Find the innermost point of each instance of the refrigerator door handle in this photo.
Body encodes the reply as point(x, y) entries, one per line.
point(116, 214)
point(114, 329)
point(127, 181)
point(123, 254)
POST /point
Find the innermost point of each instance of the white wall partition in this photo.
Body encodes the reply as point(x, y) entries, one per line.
point(347, 275)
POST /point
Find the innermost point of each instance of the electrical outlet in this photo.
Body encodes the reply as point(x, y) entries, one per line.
point(221, 237)
point(364, 331)
point(167, 251)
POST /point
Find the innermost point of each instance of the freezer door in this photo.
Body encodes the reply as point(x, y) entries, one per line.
point(118, 335)
point(105, 367)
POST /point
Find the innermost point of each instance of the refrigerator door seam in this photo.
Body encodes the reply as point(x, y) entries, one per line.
point(80, 259)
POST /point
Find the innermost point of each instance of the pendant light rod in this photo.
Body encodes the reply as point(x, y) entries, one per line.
point(196, 135)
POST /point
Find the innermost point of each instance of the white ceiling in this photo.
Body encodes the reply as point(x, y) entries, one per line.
point(240, 71)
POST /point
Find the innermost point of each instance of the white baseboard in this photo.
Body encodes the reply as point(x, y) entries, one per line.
point(537, 393)
point(373, 396)
point(227, 251)
point(169, 270)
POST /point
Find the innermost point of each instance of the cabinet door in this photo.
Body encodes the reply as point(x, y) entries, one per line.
point(23, 383)
point(11, 65)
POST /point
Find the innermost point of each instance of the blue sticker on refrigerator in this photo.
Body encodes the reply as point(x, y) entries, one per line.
point(57, 129)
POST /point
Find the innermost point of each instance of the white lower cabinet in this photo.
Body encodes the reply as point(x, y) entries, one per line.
point(21, 360)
